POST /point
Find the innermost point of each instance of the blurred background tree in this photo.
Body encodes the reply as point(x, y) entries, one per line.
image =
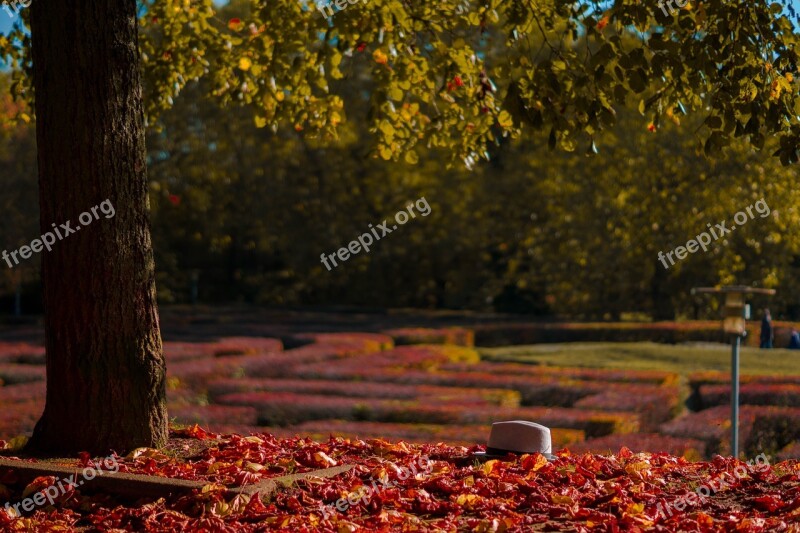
point(19, 202)
point(533, 231)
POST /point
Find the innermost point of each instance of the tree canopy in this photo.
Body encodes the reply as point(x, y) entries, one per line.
point(464, 75)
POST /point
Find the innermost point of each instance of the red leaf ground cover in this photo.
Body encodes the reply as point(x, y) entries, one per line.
point(454, 492)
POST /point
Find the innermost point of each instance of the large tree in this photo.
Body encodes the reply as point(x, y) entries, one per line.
point(105, 367)
point(437, 80)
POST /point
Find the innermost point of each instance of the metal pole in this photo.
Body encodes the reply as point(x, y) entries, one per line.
point(735, 395)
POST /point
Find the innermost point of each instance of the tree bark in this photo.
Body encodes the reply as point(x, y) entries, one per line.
point(105, 367)
point(663, 308)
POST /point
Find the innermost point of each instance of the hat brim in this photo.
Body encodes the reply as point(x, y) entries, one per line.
point(487, 456)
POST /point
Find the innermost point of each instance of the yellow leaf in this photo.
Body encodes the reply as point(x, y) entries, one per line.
point(412, 158)
point(261, 122)
point(149, 453)
point(635, 508)
point(638, 468)
point(386, 127)
point(254, 467)
point(219, 508)
point(212, 487)
point(468, 500)
point(17, 443)
point(489, 466)
point(216, 466)
point(245, 63)
point(505, 120)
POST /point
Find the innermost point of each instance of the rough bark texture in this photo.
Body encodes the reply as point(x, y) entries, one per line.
point(105, 366)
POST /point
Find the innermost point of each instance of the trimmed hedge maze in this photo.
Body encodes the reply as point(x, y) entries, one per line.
point(430, 385)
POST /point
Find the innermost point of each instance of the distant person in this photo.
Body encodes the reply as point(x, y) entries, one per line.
point(767, 336)
point(794, 342)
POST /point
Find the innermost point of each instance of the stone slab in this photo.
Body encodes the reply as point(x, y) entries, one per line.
point(139, 486)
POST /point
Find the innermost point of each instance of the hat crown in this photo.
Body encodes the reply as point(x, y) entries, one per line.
point(520, 436)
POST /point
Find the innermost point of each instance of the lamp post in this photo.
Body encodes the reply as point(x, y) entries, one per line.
point(736, 315)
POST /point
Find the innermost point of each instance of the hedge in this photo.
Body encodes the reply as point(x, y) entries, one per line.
point(779, 394)
point(762, 429)
point(465, 435)
point(490, 335)
point(691, 449)
point(350, 389)
point(283, 409)
point(454, 336)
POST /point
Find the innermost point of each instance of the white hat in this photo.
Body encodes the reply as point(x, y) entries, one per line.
point(519, 437)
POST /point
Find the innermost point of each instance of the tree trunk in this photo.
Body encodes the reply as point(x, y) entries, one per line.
point(663, 309)
point(105, 367)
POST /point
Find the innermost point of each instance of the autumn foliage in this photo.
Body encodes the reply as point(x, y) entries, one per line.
point(622, 492)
